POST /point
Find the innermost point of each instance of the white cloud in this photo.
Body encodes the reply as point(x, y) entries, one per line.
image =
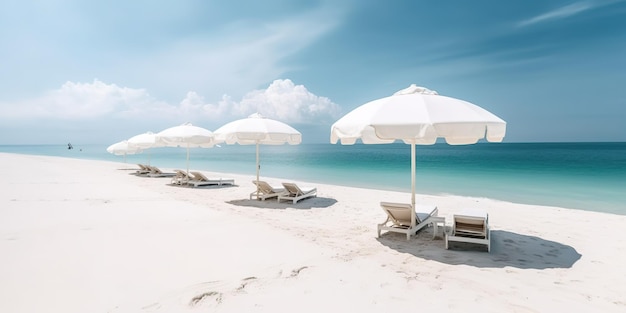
point(282, 100)
point(81, 101)
point(288, 102)
point(194, 104)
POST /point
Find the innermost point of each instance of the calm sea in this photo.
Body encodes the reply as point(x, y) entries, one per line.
point(587, 176)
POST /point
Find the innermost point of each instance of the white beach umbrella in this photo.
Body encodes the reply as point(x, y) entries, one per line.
point(122, 148)
point(417, 115)
point(257, 130)
point(185, 135)
point(144, 141)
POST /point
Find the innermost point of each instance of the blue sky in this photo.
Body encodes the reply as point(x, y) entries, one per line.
point(104, 71)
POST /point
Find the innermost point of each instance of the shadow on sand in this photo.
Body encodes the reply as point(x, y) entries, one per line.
point(507, 249)
point(316, 202)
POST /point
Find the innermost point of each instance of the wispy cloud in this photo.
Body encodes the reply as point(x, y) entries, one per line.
point(560, 13)
point(165, 52)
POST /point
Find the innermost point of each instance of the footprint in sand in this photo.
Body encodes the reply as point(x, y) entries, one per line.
point(297, 271)
point(206, 297)
point(202, 296)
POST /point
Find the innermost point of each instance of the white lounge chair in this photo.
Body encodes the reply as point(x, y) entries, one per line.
point(399, 218)
point(295, 193)
point(156, 172)
point(143, 169)
point(200, 180)
point(265, 190)
point(470, 226)
point(181, 177)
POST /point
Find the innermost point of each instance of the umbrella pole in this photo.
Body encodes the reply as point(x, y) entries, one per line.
point(187, 159)
point(258, 167)
point(413, 183)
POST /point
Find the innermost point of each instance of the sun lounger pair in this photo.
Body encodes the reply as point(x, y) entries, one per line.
point(152, 171)
point(471, 226)
point(289, 192)
point(199, 179)
point(156, 172)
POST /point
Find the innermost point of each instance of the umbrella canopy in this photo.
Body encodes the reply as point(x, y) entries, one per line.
point(144, 141)
point(122, 148)
point(417, 115)
point(185, 135)
point(257, 130)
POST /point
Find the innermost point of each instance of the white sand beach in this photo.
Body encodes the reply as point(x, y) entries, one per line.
point(88, 236)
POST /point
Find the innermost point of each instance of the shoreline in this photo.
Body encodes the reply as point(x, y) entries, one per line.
point(83, 235)
point(590, 185)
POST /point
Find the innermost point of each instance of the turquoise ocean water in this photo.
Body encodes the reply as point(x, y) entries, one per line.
point(587, 176)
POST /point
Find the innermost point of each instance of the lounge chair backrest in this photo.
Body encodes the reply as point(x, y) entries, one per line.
point(264, 187)
point(471, 224)
point(199, 176)
point(293, 189)
point(400, 213)
point(154, 169)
